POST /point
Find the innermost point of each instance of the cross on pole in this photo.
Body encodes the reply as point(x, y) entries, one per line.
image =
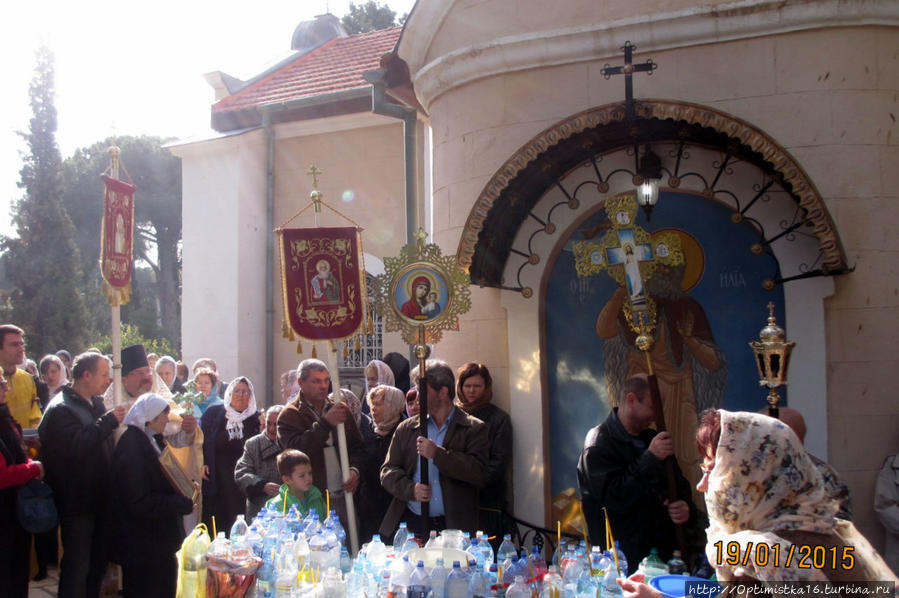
point(628, 71)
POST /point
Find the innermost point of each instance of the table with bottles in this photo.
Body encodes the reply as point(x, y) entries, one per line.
point(306, 557)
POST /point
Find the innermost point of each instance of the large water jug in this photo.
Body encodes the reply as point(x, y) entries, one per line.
point(419, 583)
point(456, 583)
point(376, 553)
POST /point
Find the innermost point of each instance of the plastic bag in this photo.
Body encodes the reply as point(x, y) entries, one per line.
point(192, 564)
point(228, 579)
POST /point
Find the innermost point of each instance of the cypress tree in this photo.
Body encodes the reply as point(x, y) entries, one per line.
point(42, 264)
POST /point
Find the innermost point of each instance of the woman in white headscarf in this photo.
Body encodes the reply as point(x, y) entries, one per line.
point(226, 428)
point(147, 528)
point(376, 372)
point(387, 404)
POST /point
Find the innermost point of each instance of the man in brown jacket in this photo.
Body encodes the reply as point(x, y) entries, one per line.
point(457, 449)
point(309, 424)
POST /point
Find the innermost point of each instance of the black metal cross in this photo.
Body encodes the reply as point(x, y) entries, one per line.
point(628, 71)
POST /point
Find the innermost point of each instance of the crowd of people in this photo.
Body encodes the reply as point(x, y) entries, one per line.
point(101, 458)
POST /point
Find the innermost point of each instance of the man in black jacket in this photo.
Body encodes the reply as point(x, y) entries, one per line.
point(622, 469)
point(76, 444)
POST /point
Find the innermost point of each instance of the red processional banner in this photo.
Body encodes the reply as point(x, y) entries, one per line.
point(323, 282)
point(116, 239)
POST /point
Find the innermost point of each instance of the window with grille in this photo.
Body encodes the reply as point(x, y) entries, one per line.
point(362, 348)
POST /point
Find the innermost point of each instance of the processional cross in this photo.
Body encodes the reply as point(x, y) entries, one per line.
point(631, 255)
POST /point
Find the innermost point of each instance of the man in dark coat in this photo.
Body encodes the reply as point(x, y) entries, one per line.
point(309, 423)
point(457, 448)
point(622, 469)
point(76, 444)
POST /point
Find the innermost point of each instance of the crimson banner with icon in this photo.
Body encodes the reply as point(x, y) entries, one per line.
point(116, 239)
point(323, 282)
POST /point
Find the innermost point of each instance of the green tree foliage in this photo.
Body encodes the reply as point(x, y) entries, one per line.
point(42, 263)
point(155, 305)
point(131, 335)
point(369, 16)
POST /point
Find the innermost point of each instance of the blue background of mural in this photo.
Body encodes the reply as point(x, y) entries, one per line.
point(730, 291)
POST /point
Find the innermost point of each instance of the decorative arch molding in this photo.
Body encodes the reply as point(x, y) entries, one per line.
point(507, 199)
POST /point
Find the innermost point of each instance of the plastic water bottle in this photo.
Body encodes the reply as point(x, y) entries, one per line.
point(552, 583)
point(337, 526)
point(357, 582)
point(537, 562)
point(399, 538)
point(332, 585)
point(677, 566)
point(254, 538)
point(456, 583)
point(346, 562)
point(610, 588)
point(241, 551)
point(518, 589)
point(410, 544)
point(287, 572)
point(466, 540)
point(317, 552)
point(332, 547)
point(384, 583)
point(433, 540)
point(265, 576)
point(400, 572)
point(292, 521)
point(220, 547)
point(493, 582)
point(653, 565)
point(475, 551)
point(484, 543)
point(438, 578)
point(506, 549)
point(419, 582)
point(311, 523)
point(477, 583)
point(376, 553)
point(301, 553)
point(239, 528)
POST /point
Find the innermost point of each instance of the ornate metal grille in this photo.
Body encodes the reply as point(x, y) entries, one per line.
point(370, 346)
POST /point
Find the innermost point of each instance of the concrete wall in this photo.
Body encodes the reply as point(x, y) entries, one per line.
point(827, 91)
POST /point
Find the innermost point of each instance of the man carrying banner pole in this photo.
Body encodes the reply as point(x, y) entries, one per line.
point(323, 283)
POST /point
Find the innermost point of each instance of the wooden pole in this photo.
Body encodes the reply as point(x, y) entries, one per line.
point(422, 354)
point(116, 310)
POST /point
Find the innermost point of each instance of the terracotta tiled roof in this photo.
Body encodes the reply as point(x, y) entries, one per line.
point(335, 66)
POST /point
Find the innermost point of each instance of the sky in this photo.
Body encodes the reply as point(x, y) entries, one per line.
point(136, 68)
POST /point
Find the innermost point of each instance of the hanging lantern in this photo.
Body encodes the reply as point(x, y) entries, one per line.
point(772, 356)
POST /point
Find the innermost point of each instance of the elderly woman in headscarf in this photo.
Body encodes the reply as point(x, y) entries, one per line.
point(762, 490)
point(376, 372)
point(386, 404)
point(146, 529)
point(226, 428)
point(166, 372)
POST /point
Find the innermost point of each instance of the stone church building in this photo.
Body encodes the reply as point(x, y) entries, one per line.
point(502, 128)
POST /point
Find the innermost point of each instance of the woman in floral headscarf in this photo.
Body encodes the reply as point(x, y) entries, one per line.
point(762, 489)
point(225, 430)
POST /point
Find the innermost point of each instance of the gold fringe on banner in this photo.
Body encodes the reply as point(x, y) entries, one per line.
point(331, 347)
point(346, 350)
point(116, 296)
point(300, 347)
point(357, 343)
point(314, 352)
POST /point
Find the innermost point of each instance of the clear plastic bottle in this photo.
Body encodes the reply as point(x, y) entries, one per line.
point(518, 589)
point(376, 553)
point(506, 549)
point(286, 579)
point(653, 565)
point(337, 526)
point(266, 575)
point(346, 562)
point(478, 583)
point(610, 587)
point(433, 540)
point(438, 575)
point(419, 582)
point(676, 565)
point(317, 552)
point(484, 543)
point(220, 547)
point(494, 586)
point(301, 553)
point(537, 563)
point(475, 551)
point(241, 551)
point(466, 540)
point(456, 583)
point(552, 583)
point(357, 582)
point(400, 571)
point(255, 537)
point(239, 528)
point(332, 585)
point(410, 544)
point(399, 538)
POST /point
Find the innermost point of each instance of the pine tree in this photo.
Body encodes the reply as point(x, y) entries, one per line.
point(42, 264)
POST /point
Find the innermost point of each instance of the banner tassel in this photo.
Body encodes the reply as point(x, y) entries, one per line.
point(346, 350)
point(357, 342)
point(331, 347)
point(300, 347)
point(314, 352)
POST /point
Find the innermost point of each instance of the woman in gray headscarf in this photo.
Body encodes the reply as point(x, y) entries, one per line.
point(147, 529)
point(387, 404)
